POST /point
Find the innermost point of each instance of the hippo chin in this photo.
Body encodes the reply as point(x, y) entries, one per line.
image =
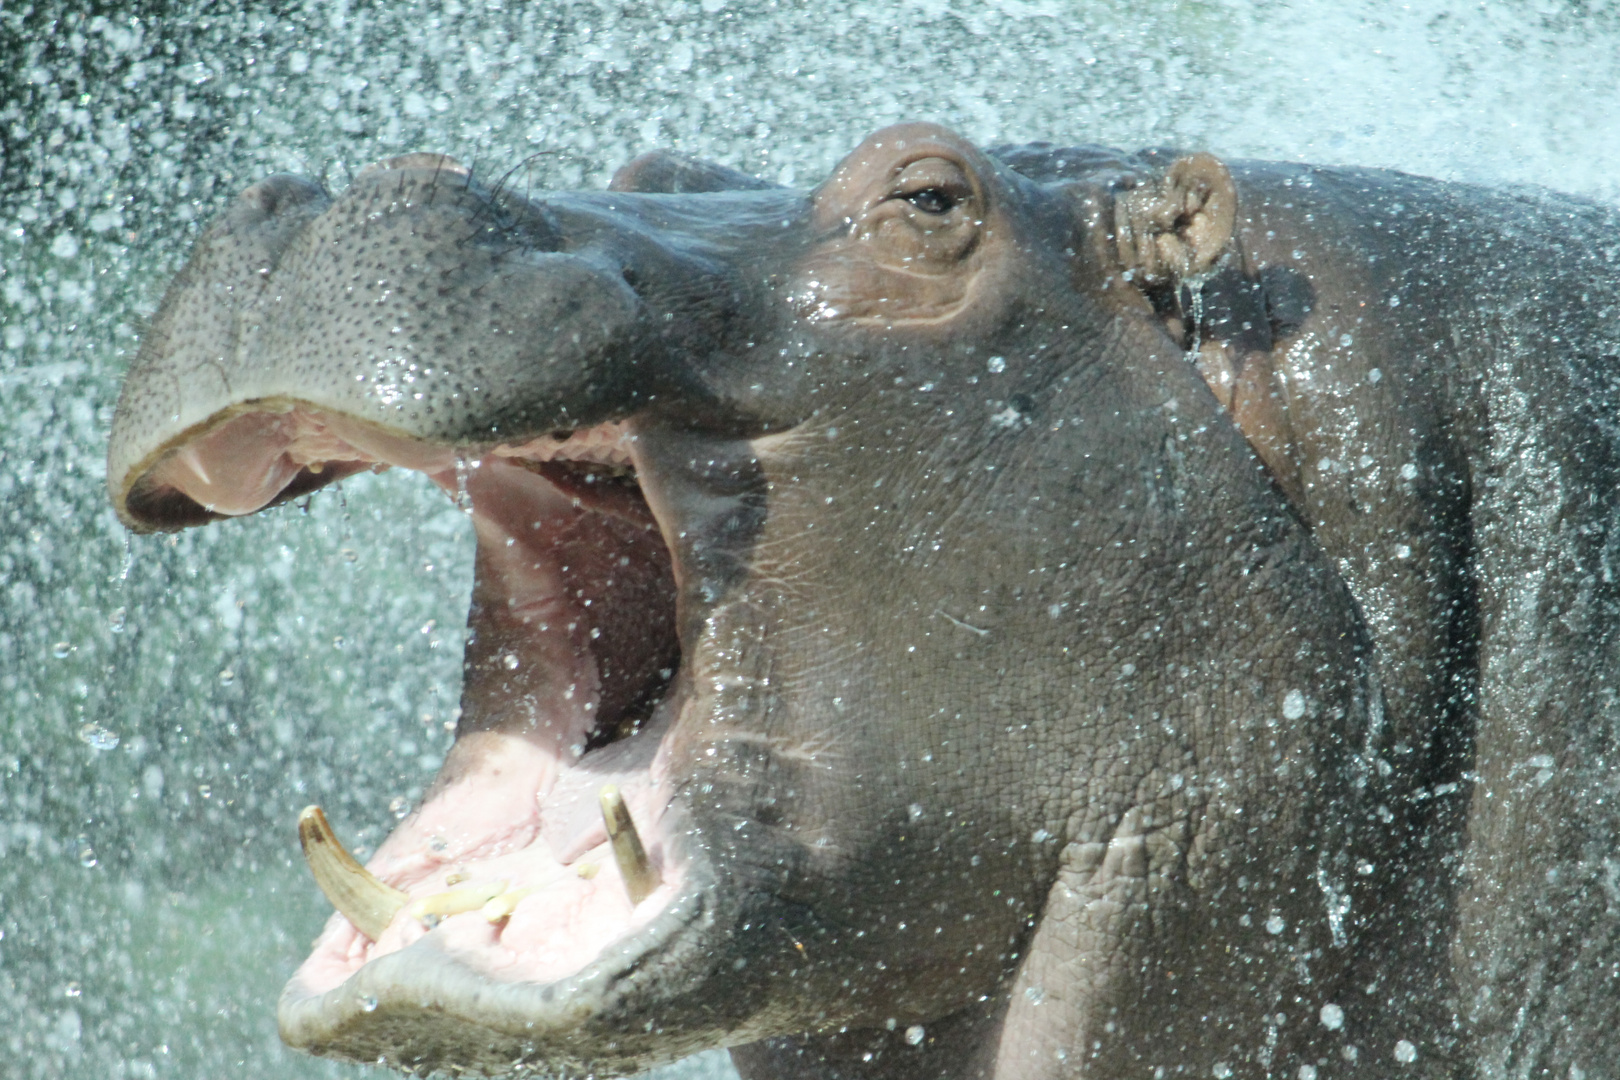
point(1035, 612)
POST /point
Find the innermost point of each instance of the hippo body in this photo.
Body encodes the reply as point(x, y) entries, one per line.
point(1049, 612)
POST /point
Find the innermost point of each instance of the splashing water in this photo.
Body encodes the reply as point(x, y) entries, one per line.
point(177, 915)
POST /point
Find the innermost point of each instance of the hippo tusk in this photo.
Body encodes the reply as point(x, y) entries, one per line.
point(640, 879)
point(356, 892)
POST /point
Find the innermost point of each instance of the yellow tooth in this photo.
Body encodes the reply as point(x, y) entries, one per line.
point(455, 901)
point(640, 879)
point(586, 870)
point(503, 905)
point(357, 893)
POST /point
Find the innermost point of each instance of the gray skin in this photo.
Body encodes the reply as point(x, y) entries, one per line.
point(1134, 614)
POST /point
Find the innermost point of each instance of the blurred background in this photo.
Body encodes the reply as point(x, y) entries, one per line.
point(169, 703)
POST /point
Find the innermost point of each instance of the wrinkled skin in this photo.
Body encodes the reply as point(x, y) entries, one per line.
point(1075, 614)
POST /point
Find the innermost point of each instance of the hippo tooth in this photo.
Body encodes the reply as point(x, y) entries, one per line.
point(502, 906)
point(430, 909)
point(355, 891)
point(640, 879)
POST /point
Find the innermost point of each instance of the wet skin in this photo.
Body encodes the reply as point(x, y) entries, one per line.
point(1049, 612)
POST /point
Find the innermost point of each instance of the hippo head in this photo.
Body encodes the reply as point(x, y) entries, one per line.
point(831, 546)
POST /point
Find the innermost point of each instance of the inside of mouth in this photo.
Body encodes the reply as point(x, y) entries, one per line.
point(570, 683)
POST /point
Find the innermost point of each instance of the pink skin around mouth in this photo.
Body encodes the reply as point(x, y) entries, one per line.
point(555, 930)
point(516, 801)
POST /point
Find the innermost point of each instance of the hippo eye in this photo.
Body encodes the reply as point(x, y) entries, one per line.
point(932, 200)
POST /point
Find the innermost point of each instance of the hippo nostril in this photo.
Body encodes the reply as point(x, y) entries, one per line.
point(631, 278)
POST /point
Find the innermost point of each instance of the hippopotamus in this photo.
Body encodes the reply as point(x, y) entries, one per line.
point(1029, 612)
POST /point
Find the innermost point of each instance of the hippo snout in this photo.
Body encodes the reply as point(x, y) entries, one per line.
point(418, 301)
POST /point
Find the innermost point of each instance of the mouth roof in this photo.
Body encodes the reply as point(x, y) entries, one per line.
point(571, 560)
point(543, 839)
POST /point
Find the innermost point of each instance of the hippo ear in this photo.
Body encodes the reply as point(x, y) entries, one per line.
point(1177, 224)
point(662, 172)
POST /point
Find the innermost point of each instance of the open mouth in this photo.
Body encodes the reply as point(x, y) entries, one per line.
point(545, 838)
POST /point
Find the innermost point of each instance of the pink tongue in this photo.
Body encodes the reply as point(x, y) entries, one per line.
point(484, 804)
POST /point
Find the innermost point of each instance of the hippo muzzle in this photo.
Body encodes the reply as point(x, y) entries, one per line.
point(503, 349)
point(886, 655)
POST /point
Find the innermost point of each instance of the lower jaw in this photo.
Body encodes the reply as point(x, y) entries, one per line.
point(551, 981)
point(522, 865)
point(436, 1003)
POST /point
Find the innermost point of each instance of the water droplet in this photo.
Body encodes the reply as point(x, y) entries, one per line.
point(462, 498)
point(368, 1003)
point(915, 1035)
point(1409, 471)
point(997, 364)
point(97, 737)
point(61, 649)
point(1293, 705)
point(399, 806)
point(1221, 1070)
point(227, 677)
point(205, 791)
point(87, 854)
point(1275, 925)
point(1332, 1017)
point(115, 621)
point(510, 661)
point(350, 555)
point(1345, 340)
point(72, 990)
point(1307, 1072)
point(1035, 994)
point(1405, 1052)
point(915, 811)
